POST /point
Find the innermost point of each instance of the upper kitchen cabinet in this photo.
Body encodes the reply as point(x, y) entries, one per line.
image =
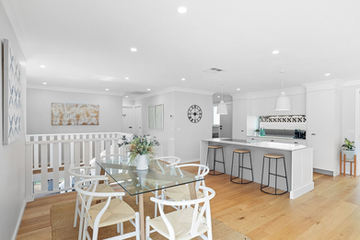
point(323, 125)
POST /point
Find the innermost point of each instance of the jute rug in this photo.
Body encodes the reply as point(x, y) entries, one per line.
point(62, 215)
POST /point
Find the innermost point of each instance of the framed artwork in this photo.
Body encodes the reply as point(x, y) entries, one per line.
point(12, 94)
point(72, 114)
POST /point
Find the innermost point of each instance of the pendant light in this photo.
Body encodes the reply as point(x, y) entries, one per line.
point(222, 108)
point(283, 101)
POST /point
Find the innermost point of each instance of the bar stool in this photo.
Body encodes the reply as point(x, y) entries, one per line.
point(241, 168)
point(215, 148)
point(276, 157)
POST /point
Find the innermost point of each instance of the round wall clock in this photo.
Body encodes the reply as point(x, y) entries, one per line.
point(194, 113)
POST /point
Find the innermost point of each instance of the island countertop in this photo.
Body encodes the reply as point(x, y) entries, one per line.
point(260, 144)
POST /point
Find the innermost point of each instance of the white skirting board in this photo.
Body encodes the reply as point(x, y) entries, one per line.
point(19, 220)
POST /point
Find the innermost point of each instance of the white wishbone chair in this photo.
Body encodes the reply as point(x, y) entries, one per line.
point(192, 220)
point(171, 161)
point(109, 212)
point(182, 192)
point(82, 173)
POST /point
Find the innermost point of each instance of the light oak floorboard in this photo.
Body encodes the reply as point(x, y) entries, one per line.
point(331, 211)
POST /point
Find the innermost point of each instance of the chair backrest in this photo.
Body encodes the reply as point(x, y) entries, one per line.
point(87, 191)
point(202, 171)
point(84, 172)
point(170, 160)
point(200, 206)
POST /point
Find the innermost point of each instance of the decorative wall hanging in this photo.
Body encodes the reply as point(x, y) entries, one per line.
point(194, 113)
point(12, 94)
point(72, 114)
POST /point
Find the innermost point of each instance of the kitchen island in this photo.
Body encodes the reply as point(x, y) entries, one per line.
point(299, 161)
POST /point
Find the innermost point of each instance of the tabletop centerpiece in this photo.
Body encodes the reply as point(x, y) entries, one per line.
point(141, 150)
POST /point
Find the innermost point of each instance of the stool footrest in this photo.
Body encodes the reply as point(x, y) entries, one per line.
point(267, 186)
point(241, 180)
point(277, 175)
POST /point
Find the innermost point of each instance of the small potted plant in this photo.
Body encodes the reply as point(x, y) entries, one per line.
point(141, 149)
point(348, 148)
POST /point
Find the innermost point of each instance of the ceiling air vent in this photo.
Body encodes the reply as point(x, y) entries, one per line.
point(215, 69)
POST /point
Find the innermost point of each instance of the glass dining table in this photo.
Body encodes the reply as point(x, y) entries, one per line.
point(160, 175)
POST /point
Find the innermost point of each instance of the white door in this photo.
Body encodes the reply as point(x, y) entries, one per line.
point(138, 120)
point(321, 127)
point(128, 119)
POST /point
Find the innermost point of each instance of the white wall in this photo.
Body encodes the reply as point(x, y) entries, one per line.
point(12, 171)
point(187, 134)
point(180, 137)
point(39, 111)
point(166, 136)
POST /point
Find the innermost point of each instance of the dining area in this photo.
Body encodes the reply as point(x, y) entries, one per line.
point(162, 197)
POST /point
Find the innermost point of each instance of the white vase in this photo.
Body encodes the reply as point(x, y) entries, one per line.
point(142, 162)
point(349, 154)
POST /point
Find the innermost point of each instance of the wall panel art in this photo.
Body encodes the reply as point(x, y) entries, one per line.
point(72, 114)
point(12, 94)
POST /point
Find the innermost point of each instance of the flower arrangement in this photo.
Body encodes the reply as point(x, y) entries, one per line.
point(142, 145)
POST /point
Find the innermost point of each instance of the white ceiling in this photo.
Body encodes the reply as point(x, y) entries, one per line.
point(85, 44)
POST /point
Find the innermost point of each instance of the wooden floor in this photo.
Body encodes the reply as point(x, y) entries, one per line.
point(331, 211)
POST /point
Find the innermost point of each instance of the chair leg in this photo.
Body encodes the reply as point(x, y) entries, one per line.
point(242, 168)
point(137, 225)
point(147, 229)
point(214, 164)
point(262, 174)
point(223, 159)
point(251, 166)
point(76, 210)
point(232, 165)
point(81, 221)
point(84, 234)
point(269, 159)
point(156, 207)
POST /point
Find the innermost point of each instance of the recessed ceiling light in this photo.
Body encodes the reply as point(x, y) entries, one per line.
point(44, 83)
point(107, 89)
point(182, 9)
point(238, 89)
point(126, 96)
point(133, 49)
point(149, 89)
point(183, 79)
point(218, 96)
point(126, 78)
point(275, 52)
point(42, 66)
point(327, 74)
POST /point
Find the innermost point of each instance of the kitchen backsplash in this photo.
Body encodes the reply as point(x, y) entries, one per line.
point(290, 122)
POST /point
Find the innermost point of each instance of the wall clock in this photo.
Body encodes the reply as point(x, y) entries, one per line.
point(194, 113)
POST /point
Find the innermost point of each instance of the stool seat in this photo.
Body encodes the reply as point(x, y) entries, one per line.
point(215, 146)
point(241, 151)
point(275, 156)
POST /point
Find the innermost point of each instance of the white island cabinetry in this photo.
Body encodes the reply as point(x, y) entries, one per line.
point(298, 158)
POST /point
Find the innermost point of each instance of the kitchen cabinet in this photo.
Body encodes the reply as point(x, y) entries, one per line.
point(323, 127)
